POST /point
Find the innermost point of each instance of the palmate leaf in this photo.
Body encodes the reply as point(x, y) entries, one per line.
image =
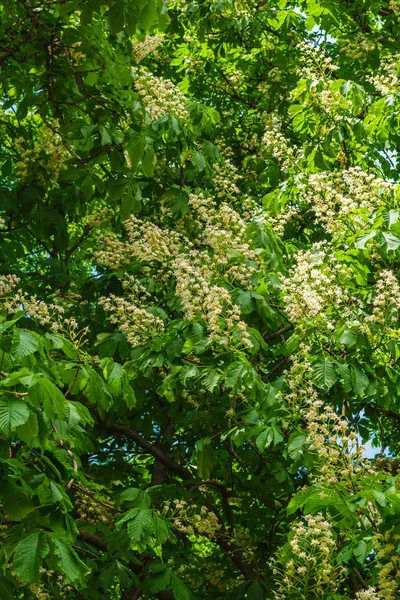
point(28, 556)
point(13, 412)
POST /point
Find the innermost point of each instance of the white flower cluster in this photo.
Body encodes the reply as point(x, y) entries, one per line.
point(202, 269)
point(226, 180)
point(359, 45)
point(388, 81)
point(275, 144)
point(388, 567)
point(314, 62)
point(386, 302)
point(146, 47)
point(135, 322)
point(190, 520)
point(223, 230)
point(145, 242)
point(317, 287)
point(312, 568)
point(213, 303)
point(368, 594)
point(45, 160)
point(8, 283)
point(160, 96)
point(345, 200)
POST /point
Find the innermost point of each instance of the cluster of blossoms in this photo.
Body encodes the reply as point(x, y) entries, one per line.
point(8, 284)
point(45, 313)
point(388, 81)
point(274, 76)
point(346, 199)
point(386, 302)
point(191, 520)
point(135, 322)
point(160, 96)
point(235, 78)
point(388, 565)
point(145, 241)
point(146, 47)
point(317, 287)
point(226, 179)
point(340, 458)
point(213, 303)
point(275, 144)
point(56, 587)
point(368, 594)
point(222, 255)
point(314, 62)
point(45, 160)
point(312, 568)
point(223, 230)
point(394, 5)
point(358, 46)
point(92, 511)
point(74, 53)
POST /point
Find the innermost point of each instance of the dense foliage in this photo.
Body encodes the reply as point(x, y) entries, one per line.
point(199, 318)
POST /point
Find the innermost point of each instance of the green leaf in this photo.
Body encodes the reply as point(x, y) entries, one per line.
point(140, 525)
point(158, 580)
point(362, 551)
point(159, 529)
point(296, 443)
point(69, 562)
point(148, 162)
point(179, 589)
point(97, 391)
point(234, 374)
point(16, 506)
point(206, 458)
point(347, 338)
point(344, 373)
point(29, 430)
point(324, 374)
point(44, 393)
point(392, 242)
point(28, 556)
point(6, 590)
point(359, 380)
point(211, 380)
point(24, 343)
point(115, 18)
point(199, 162)
point(13, 412)
point(105, 136)
point(148, 14)
point(363, 239)
point(391, 217)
